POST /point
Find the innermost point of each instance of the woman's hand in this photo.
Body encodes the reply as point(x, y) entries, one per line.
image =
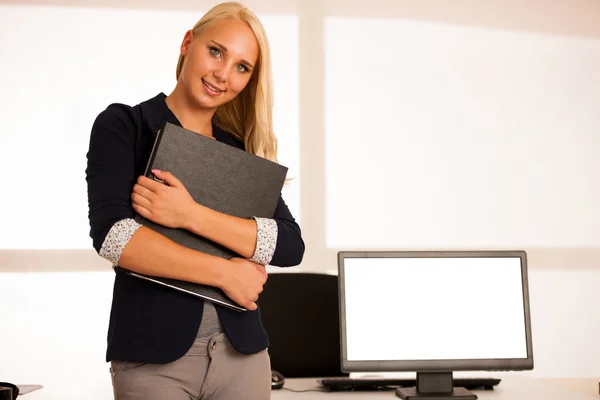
point(244, 281)
point(170, 206)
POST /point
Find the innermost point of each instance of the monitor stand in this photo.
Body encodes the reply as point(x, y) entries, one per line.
point(435, 386)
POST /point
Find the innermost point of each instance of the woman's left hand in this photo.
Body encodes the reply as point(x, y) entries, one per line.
point(170, 206)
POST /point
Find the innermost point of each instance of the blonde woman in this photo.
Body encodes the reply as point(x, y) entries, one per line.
point(163, 344)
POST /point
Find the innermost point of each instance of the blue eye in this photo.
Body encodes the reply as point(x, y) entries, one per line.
point(214, 51)
point(242, 68)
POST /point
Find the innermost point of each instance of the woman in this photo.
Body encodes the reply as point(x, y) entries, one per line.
point(163, 344)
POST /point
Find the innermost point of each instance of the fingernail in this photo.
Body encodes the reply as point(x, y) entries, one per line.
point(156, 171)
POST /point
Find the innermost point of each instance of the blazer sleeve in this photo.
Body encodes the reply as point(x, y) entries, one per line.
point(110, 176)
point(279, 240)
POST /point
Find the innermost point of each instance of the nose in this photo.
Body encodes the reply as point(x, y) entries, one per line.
point(222, 73)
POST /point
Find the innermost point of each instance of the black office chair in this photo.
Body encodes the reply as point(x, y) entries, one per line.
point(300, 312)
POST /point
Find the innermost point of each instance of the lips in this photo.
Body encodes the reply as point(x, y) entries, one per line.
point(212, 87)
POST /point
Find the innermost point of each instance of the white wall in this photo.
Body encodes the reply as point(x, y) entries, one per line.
point(432, 71)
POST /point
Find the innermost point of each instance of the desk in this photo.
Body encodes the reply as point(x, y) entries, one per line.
point(586, 385)
point(511, 388)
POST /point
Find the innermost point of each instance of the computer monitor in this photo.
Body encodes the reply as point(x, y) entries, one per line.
point(434, 312)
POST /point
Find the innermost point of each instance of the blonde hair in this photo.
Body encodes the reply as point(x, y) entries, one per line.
point(249, 115)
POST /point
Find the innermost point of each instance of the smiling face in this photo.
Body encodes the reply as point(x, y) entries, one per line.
point(219, 62)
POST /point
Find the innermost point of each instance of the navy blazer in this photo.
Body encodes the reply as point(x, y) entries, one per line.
point(148, 322)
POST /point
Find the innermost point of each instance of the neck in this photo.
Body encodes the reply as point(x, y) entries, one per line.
point(195, 119)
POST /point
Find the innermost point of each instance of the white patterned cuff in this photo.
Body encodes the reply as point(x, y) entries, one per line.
point(266, 240)
point(117, 238)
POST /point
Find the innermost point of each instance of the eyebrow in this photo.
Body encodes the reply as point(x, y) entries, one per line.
point(219, 45)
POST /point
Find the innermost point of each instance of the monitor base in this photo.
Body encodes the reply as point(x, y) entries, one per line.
point(435, 386)
point(412, 394)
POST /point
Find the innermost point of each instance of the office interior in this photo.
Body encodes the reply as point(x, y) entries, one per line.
point(405, 125)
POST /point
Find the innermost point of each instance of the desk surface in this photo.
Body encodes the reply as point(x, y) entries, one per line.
point(511, 388)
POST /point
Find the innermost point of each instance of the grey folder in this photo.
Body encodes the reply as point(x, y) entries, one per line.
point(218, 176)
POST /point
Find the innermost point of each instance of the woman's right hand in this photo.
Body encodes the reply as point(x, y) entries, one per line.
point(244, 281)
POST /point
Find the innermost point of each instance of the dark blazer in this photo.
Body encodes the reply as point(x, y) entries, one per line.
point(150, 323)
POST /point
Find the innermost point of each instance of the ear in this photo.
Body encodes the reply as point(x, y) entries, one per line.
point(185, 44)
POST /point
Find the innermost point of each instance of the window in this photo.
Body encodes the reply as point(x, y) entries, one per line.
point(68, 65)
point(441, 135)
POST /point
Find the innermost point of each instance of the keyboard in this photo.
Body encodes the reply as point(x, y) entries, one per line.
point(372, 384)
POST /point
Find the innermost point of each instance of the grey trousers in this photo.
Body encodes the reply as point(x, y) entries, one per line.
point(212, 369)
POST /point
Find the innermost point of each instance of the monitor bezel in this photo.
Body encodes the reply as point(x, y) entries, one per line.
point(512, 364)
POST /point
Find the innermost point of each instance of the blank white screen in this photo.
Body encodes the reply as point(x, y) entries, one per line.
point(434, 309)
